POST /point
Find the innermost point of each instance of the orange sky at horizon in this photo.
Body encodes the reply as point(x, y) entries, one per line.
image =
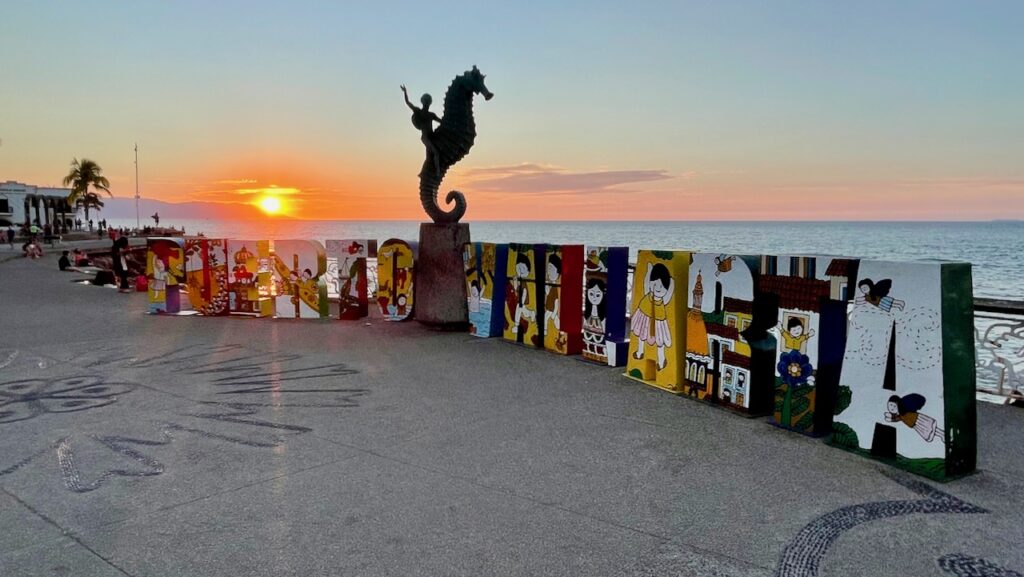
point(543, 192)
point(307, 190)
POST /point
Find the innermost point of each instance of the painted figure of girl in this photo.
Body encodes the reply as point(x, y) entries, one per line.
point(877, 294)
point(594, 309)
point(522, 317)
point(906, 410)
point(551, 300)
point(159, 275)
point(650, 319)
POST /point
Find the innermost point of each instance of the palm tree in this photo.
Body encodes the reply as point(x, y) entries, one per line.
point(90, 199)
point(85, 173)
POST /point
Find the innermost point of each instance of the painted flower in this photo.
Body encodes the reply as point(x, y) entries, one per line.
point(795, 368)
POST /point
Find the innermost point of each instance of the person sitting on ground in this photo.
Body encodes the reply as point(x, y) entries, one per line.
point(64, 261)
point(32, 250)
point(79, 258)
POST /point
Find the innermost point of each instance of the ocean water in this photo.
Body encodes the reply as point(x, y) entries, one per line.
point(996, 249)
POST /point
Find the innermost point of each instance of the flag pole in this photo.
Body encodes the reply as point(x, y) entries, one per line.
point(137, 223)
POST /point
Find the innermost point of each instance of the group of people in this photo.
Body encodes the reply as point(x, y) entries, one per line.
point(73, 258)
point(79, 223)
point(30, 248)
point(119, 261)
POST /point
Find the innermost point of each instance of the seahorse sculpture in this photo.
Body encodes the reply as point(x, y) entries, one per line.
point(452, 140)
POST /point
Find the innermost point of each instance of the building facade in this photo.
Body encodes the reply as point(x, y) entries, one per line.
point(26, 204)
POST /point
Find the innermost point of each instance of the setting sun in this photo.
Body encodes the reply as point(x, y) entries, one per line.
point(270, 204)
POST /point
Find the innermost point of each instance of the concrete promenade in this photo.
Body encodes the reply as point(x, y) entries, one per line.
point(162, 446)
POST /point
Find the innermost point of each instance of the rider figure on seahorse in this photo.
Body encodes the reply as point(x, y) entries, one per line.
point(449, 143)
point(423, 119)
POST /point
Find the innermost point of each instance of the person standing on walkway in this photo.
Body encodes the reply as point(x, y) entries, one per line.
point(10, 236)
point(120, 263)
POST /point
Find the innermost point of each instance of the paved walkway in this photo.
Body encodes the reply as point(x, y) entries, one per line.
point(136, 445)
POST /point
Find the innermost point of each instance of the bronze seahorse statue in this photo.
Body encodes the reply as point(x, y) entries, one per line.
point(449, 143)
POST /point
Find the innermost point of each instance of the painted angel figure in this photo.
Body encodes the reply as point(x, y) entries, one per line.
point(723, 263)
point(906, 410)
point(423, 119)
point(877, 294)
point(650, 319)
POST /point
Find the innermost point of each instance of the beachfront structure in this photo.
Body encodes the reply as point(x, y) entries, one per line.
point(27, 204)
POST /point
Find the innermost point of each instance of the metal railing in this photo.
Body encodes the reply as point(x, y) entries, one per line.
point(999, 347)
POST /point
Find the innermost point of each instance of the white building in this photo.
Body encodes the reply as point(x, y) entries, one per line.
point(40, 205)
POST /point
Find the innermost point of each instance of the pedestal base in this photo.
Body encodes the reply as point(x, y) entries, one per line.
point(441, 277)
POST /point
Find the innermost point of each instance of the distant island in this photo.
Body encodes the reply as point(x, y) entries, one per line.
point(124, 208)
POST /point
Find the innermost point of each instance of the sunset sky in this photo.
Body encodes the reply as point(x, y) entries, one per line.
point(628, 110)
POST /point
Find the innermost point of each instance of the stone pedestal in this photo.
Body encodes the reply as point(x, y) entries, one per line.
point(440, 276)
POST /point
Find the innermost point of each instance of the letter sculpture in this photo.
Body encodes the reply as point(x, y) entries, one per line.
point(729, 353)
point(349, 277)
point(298, 266)
point(249, 281)
point(907, 390)
point(206, 272)
point(523, 314)
point(165, 271)
point(395, 275)
point(605, 338)
point(810, 294)
point(563, 325)
point(658, 335)
point(485, 265)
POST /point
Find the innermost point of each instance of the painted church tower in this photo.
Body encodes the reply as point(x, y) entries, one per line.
point(698, 292)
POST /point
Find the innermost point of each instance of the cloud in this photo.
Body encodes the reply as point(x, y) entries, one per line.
point(971, 184)
point(525, 168)
point(538, 179)
point(274, 190)
point(215, 191)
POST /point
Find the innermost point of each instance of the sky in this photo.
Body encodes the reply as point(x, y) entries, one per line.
point(784, 110)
